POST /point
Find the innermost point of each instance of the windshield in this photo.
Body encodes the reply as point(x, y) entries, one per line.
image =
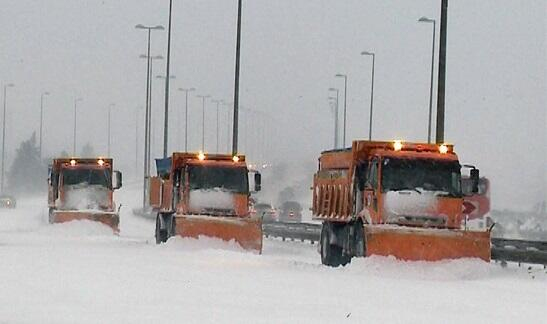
point(214, 177)
point(420, 175)
point(86, 176)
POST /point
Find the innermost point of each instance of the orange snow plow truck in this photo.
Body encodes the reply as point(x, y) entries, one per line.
point(393, 198)
point(83, 189)
point(196, 195)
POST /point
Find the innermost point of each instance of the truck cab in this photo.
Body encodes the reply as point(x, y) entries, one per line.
point(197, 194)
point(83, 189)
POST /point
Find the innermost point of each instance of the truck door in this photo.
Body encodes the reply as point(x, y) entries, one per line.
point(371, 193)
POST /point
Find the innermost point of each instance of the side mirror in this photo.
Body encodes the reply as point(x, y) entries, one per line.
point(116, 180)
point(474, 174)
point(258, 182)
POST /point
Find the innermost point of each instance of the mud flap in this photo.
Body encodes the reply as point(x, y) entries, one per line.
point(426, 244)
point(247, 232)
point(110, 219)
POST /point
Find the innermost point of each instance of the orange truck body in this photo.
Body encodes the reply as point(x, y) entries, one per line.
point(186, 206)
point(393, 198)
point(82, 189)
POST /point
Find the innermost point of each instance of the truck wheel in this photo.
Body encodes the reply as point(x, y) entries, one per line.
point(161, 234)
point(331, 255)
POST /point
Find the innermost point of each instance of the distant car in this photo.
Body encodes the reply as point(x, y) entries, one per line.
point(266, 211)
point(290, 211)
point(7, 201)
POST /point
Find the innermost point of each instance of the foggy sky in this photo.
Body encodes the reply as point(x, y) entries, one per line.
point(291, 50)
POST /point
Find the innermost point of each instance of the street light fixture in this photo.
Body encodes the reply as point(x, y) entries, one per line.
point(336, 113)
point(74, 134)
point(371, 93)
point(203, 97)
point(6, 86)
point(42, 118)
point(345, 76)
point(186, 90)
point(146, 161)
point(428, 20)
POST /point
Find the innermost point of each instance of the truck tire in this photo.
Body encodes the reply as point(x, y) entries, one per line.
point(331, 255)
point(161, 234)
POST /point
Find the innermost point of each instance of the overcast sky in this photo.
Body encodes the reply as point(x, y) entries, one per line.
point(291, 49)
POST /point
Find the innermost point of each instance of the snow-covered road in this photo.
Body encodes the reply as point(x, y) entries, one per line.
point(80, 273)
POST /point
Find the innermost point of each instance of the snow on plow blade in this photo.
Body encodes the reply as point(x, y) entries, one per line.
point(246, 232)
point(422, 244)
point(108, 218)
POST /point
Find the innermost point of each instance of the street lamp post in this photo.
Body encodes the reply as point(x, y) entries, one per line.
point(336, 132)
point(6, 86)
point(74, 134)
point(203, 97)
point(146, 168)
point(186, 90)
point(109, 127)
point(42, 118)
point(345, 76)
point(167, 79)
point(149, 131)
point(236, 83)
point(371, 94)
point(332, 103)
point(218, 102)
point(428, 20)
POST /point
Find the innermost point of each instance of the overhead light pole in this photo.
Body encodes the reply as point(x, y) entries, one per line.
point(336, 114)
point(371, 93)
point(75, 123)
point(236, 83)
point(147, 114)
point(345, 76)
point(332, 103)
point(428, 20)
point(109, 127)
point(150, 131)
point(6, 86)
point(167, 79)
point(186, 90)
point(218, 102)
point(203, 97)
point(42, 118)
point(441, 79)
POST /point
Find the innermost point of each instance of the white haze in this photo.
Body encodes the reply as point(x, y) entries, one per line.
point(291, 50)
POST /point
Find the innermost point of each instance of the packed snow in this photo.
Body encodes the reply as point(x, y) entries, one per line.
point(80, 272)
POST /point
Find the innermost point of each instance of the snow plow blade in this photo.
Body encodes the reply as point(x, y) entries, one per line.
point(246, 232)
point(426, 244)
point(108, 218)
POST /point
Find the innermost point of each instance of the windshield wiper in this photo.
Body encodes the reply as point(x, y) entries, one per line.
point(409, 189)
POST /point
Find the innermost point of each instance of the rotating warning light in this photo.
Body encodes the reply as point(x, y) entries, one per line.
point(443, 149)
point(235, 158)
point(100, 162)
point(201, 156)
point(73, 162)
point(397, 145)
